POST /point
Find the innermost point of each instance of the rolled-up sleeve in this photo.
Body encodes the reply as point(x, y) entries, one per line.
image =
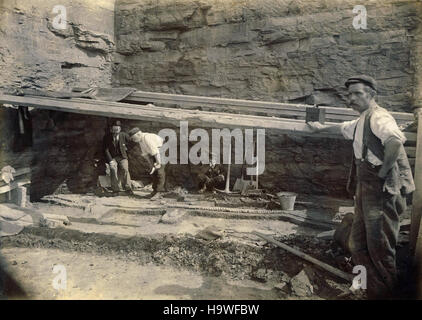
point(385, 127)
point(348, 129)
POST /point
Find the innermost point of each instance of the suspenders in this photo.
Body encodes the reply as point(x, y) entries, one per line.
point(369, 139)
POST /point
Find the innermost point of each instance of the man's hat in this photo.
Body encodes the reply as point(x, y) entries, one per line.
point(116, 123)
point(367, 80)
point(134, 131)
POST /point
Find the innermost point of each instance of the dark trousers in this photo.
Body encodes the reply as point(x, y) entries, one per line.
point(159, 179)
point(210, 183)
point(375, 230)
point(120, 177)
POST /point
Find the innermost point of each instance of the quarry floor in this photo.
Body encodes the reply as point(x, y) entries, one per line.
point(121, 248)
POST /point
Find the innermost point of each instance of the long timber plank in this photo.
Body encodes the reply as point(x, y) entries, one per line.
point(19, 172)
point(159, 114)
point(14, 185)
point(257, 106)
point(410, 136)
point(167, 115)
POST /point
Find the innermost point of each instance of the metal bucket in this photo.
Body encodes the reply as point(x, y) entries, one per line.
point(287, 200)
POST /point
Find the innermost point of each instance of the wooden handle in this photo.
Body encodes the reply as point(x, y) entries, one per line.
point(335, 271)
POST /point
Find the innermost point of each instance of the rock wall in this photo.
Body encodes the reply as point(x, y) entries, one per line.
point(272, 50)
point(67, 157)
point(35, 54)
point(300, 164)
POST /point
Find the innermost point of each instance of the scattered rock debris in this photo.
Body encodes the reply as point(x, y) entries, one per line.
point(210, 233)
point(301, 286)
point(173, 216)
point(214, 249)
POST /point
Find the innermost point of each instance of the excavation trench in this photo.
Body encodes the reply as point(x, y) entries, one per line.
point(235, 256)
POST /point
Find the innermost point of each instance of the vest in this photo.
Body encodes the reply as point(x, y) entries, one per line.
point(399, 179)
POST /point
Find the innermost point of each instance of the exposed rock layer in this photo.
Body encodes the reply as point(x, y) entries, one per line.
point(272, 50)
point(36, 54)
point(266, 50)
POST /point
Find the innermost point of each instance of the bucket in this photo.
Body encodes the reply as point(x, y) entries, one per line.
point(287, 200)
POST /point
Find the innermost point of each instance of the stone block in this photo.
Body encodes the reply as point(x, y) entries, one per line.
point(18, 196)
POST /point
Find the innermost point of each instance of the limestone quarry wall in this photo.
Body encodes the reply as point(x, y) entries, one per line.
point(272, 50)
point(35, 54)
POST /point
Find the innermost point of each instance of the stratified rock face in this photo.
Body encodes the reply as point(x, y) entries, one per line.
point(35, 53)
point(272, 50)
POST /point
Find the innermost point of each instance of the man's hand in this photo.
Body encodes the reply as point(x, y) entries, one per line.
point(318, 127)
point(157, 165)
point(113, 163)
point(315, 126)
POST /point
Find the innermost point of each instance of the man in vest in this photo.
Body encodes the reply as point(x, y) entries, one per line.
point(115, 148)
point(380, 179)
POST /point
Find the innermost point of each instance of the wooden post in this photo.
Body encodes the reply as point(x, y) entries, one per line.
point(19, 196)
point(418, 262)
point(415, 227)
point(227, 190)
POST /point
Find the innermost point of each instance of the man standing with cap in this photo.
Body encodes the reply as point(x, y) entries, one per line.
point(150, 145)
point(115, 146)
point(380, 179)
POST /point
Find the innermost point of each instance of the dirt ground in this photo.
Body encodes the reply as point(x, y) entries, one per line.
point(118, 248)
point(92, 276)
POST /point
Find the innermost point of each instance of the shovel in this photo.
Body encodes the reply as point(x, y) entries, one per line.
point(227, 189)
point(238, 185)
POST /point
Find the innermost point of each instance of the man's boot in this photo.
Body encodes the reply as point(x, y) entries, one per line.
point(155, 195)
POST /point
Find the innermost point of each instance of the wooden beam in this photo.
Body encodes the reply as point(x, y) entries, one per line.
point(275, 108)
point(14, 185)
point(415, 227)
point(323, 265)
point(18, 173)
point(410, 136)
point(412, 162)
point(164, 115)
point(411, 152)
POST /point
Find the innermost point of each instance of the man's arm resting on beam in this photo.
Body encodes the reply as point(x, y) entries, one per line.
point(319, 128)
point(391, 153)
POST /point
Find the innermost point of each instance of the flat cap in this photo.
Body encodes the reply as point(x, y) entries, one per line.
point(133, 131)
point(369, 81)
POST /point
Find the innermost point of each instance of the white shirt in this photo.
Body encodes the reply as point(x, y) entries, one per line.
point(383, 125)
point(116, 139)
point(150, 143)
